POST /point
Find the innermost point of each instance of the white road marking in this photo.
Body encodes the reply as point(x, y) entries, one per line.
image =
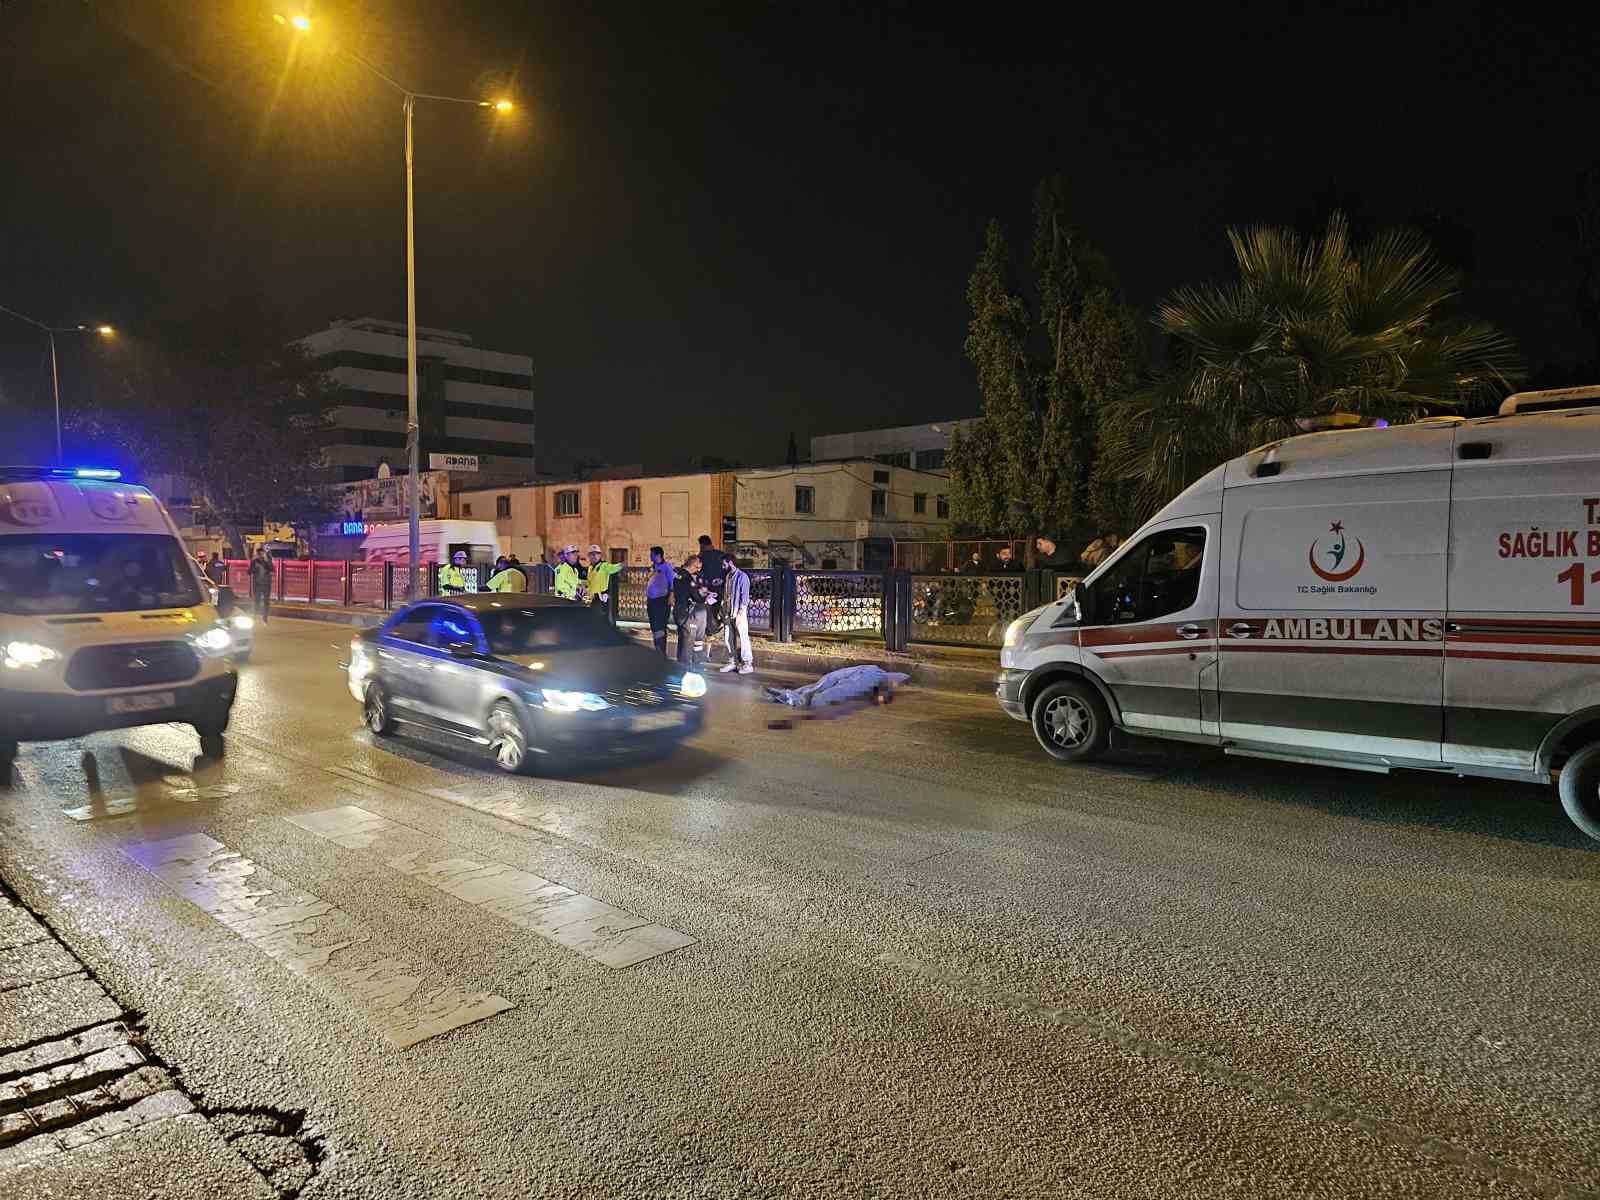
point(599, 931)
point(307, 934)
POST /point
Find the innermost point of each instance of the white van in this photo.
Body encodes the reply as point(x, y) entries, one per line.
point(1425, 596)
point(104, 621)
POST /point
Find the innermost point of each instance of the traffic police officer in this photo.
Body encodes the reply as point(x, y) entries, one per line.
point(600, 577)
point(567, 577)
point(453, 577)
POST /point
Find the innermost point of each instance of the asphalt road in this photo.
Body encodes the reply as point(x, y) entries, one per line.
point(926, 961)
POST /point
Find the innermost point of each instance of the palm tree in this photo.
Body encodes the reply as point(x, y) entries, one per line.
point(1311, 328)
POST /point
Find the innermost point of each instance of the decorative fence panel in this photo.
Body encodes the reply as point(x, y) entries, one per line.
point(966, 610)
point(838, 602)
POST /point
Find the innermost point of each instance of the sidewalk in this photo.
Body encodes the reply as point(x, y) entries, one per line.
point(85, 1109)
point(942, 668)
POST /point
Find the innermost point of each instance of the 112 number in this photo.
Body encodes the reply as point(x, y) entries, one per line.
point(1573, 577)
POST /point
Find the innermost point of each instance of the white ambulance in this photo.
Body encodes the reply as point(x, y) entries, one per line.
point(105, 622)
point(1425, 596)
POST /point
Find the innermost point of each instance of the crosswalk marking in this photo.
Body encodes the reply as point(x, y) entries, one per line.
point(599, 931)
point(314, 939)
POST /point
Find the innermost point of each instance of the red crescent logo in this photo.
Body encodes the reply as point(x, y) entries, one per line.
point(1337, 576)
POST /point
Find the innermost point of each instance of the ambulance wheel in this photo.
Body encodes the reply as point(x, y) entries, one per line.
point(1071, 722)
point(1580, 789)
point(212, 744)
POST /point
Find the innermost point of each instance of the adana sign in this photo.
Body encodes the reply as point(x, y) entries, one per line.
point(452, 462)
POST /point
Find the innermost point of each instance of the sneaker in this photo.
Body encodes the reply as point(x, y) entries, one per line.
point(729, 667)
point(747, 669)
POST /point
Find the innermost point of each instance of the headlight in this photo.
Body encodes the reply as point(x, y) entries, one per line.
point(693, 686)
point(213, 641)
point(242, 622)
point(557, 701)
point(1014, 630)
point(24, 656)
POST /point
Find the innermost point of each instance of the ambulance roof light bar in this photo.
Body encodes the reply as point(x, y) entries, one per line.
point(18, 473)
point(1554, 398)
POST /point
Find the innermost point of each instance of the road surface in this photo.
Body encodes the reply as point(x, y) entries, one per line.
point(888, 952)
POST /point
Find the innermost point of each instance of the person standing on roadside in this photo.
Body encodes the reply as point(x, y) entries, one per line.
point(658, 597)
point(506, 577)
point(736, 617)
point(453, 575)
point(568, 580)
point(713, 569)
point(261, 584)
point(217, 570)
point(689, 609)
point(601, 575)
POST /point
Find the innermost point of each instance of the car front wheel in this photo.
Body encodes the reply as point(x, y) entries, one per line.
point(375, 712)
point(1071, 722)
point(508, 740)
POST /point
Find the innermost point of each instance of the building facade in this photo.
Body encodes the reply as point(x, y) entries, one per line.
point(920, 446)
point(837, 515)
point(624, 517)
point(470, 401)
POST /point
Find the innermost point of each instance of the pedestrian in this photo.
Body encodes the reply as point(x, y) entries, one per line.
point(713, 567)
point(261, 584)
point(1008, 560)
point(453, 576)
point(506, 577)
point(600, 576)
point(689, 609)
point(568, 580)
point(736, 615)
point(973, 565)
point(658, 597)
point(217, 570)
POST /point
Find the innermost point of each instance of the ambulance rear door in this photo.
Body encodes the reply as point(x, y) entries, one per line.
point(1522, 648)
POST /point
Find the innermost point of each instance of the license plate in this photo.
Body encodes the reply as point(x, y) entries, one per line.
point(655, 721)
point(148, 702)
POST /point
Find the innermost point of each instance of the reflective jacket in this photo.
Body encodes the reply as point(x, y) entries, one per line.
point(508, 580)
point(453, 579)
point(566, 585)
point(600, 577)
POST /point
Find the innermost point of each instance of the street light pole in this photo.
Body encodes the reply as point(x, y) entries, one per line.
point(413, 420)
point(50, 332)
point(302, 24)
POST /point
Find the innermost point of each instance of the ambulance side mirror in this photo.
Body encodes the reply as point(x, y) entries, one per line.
point(1078, 606)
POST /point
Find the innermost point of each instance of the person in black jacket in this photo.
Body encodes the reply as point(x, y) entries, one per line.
point(689, 609)
point(261, 584)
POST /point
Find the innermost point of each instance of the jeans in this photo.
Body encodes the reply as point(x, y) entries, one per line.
point(737, 631)
point(262, 606)
point(690, 632)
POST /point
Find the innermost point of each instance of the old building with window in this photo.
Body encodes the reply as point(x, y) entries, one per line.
point(836, 515)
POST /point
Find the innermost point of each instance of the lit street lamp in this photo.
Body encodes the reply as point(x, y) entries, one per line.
point(302, 24)
point(55, 376)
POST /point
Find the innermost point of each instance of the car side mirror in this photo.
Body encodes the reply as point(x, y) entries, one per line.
point(226, 600)
point(463, 650)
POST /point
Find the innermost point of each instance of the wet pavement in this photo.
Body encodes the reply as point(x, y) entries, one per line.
point(888, 951)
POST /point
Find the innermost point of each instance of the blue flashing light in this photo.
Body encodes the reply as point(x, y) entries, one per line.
point(1380, 423)
point(96, 473)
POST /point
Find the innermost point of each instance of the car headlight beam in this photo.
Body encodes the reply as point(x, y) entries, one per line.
point(26, 656)
point(214, 641)
point(693, 685)
point(558, 701)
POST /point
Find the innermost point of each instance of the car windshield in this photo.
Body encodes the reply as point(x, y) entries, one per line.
point(56, 574)
point(545, 629)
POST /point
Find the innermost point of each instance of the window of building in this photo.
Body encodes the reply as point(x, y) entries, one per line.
point(880, 503)
point(466, 510)
point(805, 499)
point(502, 507)
point(930, 460)
point(567, 504)
point(630, 500)
point(900, 458)
point(919, 502)
point(942, 506)
point(880, 477)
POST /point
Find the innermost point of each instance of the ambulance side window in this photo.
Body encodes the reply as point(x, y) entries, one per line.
point(1158, 577)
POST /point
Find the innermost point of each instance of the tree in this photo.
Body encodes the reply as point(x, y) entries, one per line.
point(1028, 464)
point(1312, 327)
point(239, 418)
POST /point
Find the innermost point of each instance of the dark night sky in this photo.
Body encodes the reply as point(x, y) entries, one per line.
point(711, 224)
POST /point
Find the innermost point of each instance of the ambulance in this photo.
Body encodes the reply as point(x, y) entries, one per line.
point(1424, 597)
point(105, 622)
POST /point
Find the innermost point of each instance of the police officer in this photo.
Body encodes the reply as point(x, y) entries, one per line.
point(506, 577)
point(453, 577)
point(567, 578)
point(600, 576)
